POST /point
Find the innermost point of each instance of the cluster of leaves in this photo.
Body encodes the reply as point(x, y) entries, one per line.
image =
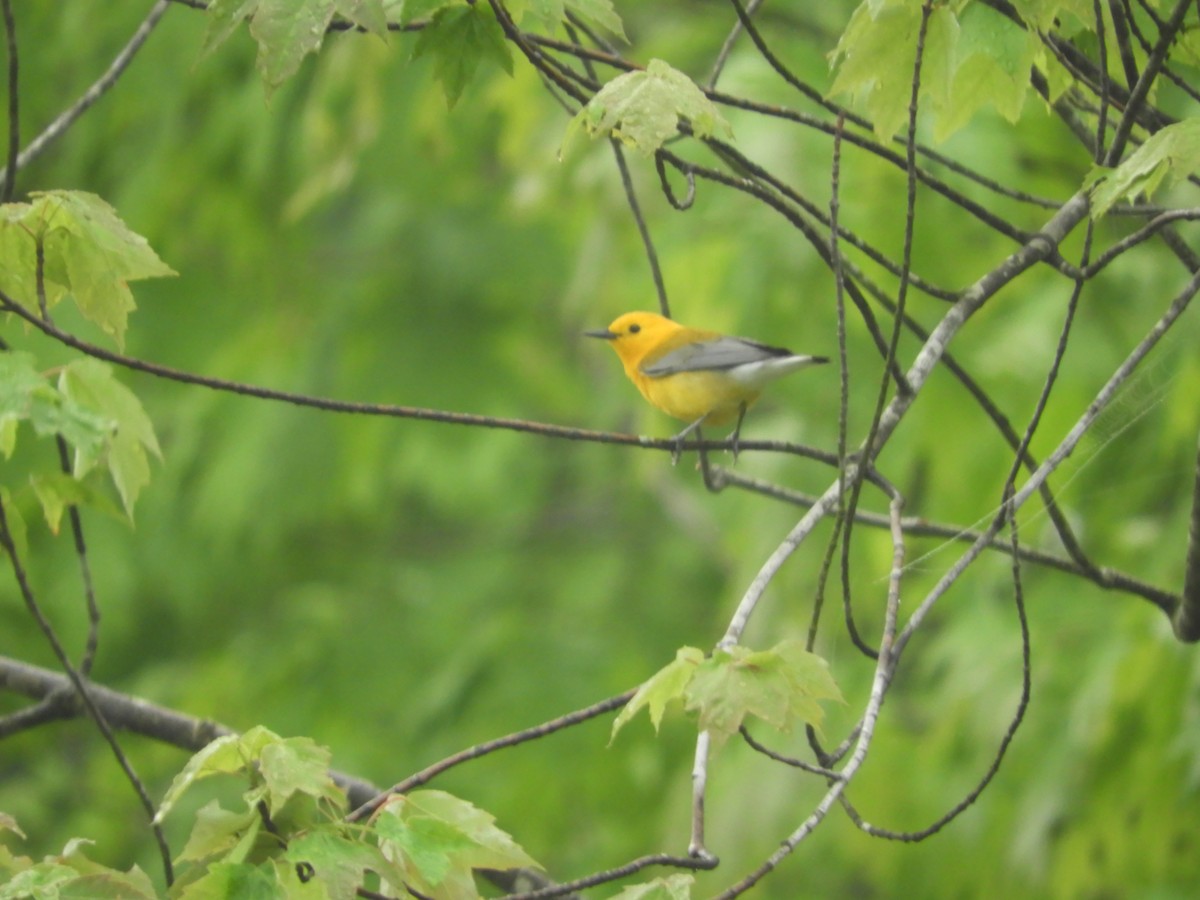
point(289, 837)
point(290, 834)
point(976, 57)
point(781, 686)
point(72, 245)
point(457, 34)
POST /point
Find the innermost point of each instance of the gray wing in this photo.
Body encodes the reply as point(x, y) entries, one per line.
point(719, 353)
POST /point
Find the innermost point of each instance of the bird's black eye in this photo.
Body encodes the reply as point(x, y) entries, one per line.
point(634, 329)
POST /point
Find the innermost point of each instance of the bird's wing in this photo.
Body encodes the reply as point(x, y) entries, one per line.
point(718, 353)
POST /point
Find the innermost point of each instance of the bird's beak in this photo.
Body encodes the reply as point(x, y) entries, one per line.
point(604, 334)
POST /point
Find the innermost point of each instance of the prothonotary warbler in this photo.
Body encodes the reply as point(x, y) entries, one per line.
point(701, 377)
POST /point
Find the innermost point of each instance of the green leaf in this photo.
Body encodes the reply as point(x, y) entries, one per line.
point(21, 225)
point(781, 686)
point(876, 54)
point(215, 831)
point(598, 12)
point(279, 770)
point(672, 887)
point(16, 523)
point(337, 862)
point(874, 60)
point(661, 688)
point(295, 766)
point(89, 253)
point(436, 840)
point(91, 384)
point(549, 15)
point(45, 879)
point(9, 823)
point(109, 885)
point(88, 245)
point(412, 10)
point(366, 14)
point(26, 396)
point(643, 109)
point(991, 68)
point(1048, 15)
point(235, 881)
point(546, 14)
point(56, 491)
point(459, 38)
point(1173, 151)
point(225, 755)
point(223, 17)
point(287, 31)
point(95, 881)
point(425, 845)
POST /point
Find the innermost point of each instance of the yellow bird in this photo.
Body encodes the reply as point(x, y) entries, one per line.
point(701, 377)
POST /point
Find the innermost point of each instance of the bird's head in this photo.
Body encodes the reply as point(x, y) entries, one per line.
point(634, 334)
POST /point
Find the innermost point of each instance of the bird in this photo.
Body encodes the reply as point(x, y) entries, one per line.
point(700, 377)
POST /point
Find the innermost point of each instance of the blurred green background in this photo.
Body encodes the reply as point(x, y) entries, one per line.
point(399, 590)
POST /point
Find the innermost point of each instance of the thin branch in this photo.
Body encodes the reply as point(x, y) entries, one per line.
point(1121, 32)
point(388, 410)
point(635, 208)
point(137, 716)
point(697, 848)
point(1010, 730)
point(630, 868)
point(68, 117)
point(64, 465)
point(868, 451)
point(1138, 95)
point(1064, 449)
point(1149, 230)
point(884, 670)
point(786, 760)
point(1187, 617)
point(77, 682)
point(1101, 576)
point(727, 47)
point(366, 809)
point(1029, 255)
point(630, 193)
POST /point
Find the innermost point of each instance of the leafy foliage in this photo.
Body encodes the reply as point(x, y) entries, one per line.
point(97, 416)
point(549, 14)
point(69, 875)
point(781, 686)
point(288, 30)
point(643, 109)
point(290, 831)
point(436, 840)
point(974, 58)
point(28, 396)
point(1172, 152)
point(89, 255)
point(124, 452)
point(459, 38)
point(458, 279)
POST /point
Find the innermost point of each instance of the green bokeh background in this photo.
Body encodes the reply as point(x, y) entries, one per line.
point(399, 589)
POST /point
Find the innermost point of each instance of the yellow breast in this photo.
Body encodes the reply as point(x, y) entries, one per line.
point(690, 395)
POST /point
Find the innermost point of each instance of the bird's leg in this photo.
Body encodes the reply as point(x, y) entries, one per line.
point(679, 439)
point(737, 430)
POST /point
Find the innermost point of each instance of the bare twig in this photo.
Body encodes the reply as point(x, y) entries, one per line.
point(367, 808)
point(81, 691)
point(69, 116)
